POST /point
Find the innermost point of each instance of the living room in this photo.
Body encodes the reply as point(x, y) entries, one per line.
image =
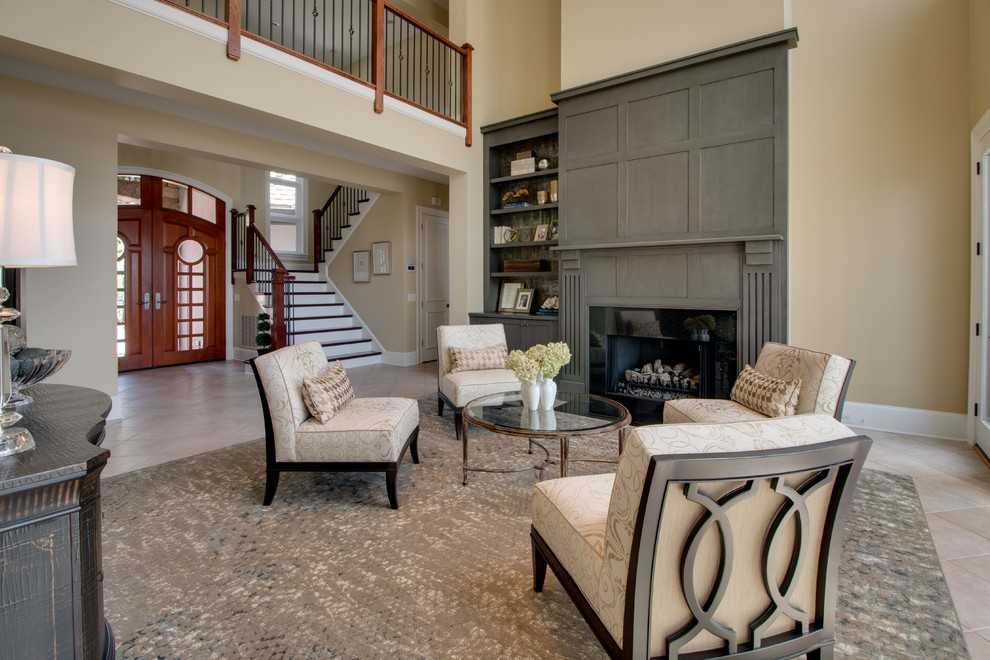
point(883, 99)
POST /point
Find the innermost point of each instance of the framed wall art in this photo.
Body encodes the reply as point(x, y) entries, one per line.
point(541, 232)
point(381, 258)
point(362, 261)
point(507, 296)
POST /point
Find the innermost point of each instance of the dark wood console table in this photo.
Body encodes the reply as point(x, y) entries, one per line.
point(51, 585)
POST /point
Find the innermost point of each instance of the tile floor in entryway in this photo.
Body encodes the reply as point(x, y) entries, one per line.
point(175, 412)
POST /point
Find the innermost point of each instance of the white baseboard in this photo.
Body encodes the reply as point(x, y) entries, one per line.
point(115, 412)
point(911, 421)
point(243, 354)
point(395, 358)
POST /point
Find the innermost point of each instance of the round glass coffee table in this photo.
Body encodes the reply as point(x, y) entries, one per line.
point(574, 414)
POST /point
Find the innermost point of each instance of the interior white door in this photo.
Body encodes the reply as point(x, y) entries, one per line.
point(434, 285)
point(980, 356)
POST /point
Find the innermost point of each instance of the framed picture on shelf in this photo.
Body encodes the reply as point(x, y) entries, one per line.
point(542, 232)
point(361, 263)
point(507, 296)
point(381, 254)
point(554, 233)
point(524, 300)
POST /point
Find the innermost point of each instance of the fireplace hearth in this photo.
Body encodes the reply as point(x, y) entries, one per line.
point(644, 357)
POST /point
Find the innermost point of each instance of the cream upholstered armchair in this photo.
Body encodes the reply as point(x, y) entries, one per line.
point(313, 422)
point(470, 363)
point(709, 539)
point(786, 380)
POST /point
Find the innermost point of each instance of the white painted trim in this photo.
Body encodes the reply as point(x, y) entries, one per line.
point(978, 313)
point(411, 110)
point(420, 212)
point(240, 354)
point(115, 410)
point(910, 421)
point(407, 359)
point(177, 17)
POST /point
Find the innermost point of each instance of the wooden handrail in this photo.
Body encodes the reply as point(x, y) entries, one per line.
point(317, 226)
point(428, 30)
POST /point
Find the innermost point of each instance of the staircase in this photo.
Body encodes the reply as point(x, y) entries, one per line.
point(314, 312)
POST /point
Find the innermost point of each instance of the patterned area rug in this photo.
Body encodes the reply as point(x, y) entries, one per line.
point(195, 566)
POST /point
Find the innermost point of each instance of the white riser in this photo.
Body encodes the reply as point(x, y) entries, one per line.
point(309, 277)
point(354, 333)
point(309, 286)
point(362, 362)
point(309, 312)
point(321, 299)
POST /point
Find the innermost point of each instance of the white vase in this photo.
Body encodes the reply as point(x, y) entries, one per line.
point(548, 394)
point(530, 395)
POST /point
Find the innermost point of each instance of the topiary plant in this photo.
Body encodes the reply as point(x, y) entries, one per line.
point(263, 340)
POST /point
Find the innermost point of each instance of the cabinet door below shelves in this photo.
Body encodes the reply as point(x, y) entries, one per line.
point(515, 334)
point(541, 332)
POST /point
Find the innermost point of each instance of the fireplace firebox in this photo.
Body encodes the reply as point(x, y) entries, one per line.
point(644, 357)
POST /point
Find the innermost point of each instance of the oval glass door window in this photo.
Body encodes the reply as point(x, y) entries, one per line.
point(190, 251)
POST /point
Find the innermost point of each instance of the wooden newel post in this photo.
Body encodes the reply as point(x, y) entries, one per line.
point(249, 247)
point(279, 276)
point(317, 238)
point(378, 53)
point(466, 108)
point(234, 29)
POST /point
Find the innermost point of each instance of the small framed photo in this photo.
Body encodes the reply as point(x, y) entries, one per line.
point(554, 231)
point(381, 258)
point(507, 296)
point(362, 261)
point(542, 231)
point(524, 300)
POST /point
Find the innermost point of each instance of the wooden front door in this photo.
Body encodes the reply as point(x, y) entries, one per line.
point(170, 286)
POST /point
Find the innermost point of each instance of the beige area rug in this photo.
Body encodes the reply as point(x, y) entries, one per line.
point(196, 568)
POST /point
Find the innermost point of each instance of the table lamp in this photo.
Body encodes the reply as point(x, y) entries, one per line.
point(35, 231)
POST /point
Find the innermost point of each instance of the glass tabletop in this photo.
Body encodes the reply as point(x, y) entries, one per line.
point(573, 413)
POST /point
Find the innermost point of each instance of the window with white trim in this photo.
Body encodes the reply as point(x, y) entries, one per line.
point(287, 213)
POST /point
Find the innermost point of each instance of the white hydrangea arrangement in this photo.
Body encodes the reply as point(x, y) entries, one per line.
point(545, 358)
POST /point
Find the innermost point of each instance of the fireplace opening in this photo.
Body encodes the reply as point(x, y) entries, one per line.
point(644, 357)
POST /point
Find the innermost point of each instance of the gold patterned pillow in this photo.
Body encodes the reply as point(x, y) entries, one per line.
point(327, 393)
point(772, 396)
point(475, 359)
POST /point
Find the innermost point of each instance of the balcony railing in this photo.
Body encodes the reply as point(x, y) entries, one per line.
point(369, 41)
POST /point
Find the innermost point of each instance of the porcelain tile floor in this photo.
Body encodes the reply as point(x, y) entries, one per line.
point(175, 412)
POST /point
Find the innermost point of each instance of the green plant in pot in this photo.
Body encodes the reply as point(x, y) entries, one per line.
point(699, 326)
point(263, 340)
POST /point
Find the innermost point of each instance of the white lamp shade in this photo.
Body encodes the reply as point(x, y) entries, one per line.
point(35, 212)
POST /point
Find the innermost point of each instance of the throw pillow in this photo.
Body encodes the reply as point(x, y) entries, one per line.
point(475, 359)
point(327, 393)
point(772, 396)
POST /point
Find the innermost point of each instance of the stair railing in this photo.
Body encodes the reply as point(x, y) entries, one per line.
point(253, 255)
point(330, 221)
point(371, 42)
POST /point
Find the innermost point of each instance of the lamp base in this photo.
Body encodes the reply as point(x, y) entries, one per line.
point(13, 440)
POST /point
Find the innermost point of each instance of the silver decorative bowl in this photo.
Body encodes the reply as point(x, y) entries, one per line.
point(32, 365)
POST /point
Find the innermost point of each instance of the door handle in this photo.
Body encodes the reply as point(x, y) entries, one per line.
point(145, 302)
point(158, 300)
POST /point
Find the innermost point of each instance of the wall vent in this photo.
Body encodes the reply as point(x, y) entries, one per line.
point(248, 330)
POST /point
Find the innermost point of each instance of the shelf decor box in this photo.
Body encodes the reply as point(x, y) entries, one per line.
point(525, 265)
point(522, 166)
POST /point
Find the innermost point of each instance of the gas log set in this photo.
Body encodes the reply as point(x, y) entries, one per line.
point(653, 378)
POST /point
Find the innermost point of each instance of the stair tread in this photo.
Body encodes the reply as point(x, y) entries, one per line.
point(313, 293)
point(353, 356)
point(315, 305)
point(320, 318)
point(345, 342)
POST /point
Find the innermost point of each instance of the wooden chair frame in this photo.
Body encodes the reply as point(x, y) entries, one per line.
point(274, 467)
point(837, 462)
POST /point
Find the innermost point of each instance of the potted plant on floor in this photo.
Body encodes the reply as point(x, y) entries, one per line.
point(263, 340)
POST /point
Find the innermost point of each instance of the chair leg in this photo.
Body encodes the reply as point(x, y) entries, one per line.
point(539, 567)
point(390, 477)
point(439, 406)
point(824, 653)
point(414, 448)
point(457, 425)
point(270, 485)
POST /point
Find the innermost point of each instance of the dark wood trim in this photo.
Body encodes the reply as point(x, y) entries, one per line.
point(430, 31)
point(378, 53)
point(467, 90)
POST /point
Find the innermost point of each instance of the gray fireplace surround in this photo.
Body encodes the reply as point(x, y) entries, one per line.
point(673, 187)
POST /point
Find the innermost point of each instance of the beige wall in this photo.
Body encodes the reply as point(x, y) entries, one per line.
point(979, 20)
point(601, 40)
point(880, 120)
